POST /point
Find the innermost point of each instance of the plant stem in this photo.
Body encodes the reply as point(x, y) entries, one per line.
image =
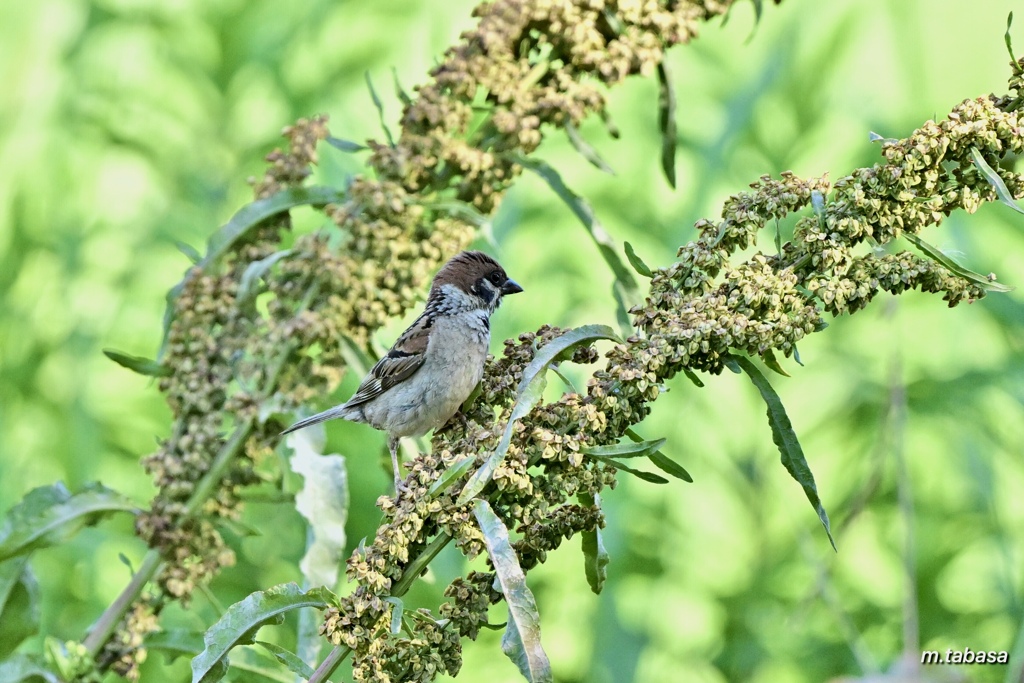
point(108, 621)
point(105, 625)
point(411, 573)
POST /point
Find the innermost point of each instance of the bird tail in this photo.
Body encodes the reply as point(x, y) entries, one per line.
point(329, 414)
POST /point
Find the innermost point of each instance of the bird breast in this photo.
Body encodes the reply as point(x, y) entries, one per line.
point(453, 366)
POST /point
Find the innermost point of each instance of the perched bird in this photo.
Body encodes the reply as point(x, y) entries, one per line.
point(436, 363)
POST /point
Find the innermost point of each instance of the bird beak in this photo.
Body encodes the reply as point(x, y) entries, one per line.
point(511, 287)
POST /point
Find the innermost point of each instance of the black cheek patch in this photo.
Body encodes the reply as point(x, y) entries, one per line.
point(483, 291)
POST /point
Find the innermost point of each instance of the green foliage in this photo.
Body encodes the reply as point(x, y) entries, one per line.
point(242, 620)
point(51, 514)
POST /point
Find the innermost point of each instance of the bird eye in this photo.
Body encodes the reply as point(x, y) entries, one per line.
point(496, 278)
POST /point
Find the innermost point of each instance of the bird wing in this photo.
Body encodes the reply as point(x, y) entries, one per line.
point(398, 365)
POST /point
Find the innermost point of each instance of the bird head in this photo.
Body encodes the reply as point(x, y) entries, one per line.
point(471, 280)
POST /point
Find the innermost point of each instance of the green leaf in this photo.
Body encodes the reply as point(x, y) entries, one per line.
point(785, 439)
point(177, 642)
point(345, 145)
point(595, 556)
point(692, 376)
point(242, 620)
point(730, 362)
point(460, 209)
point(521, 642)
point(669, 466)
point(773, 363)
point(451, 473)
point(993, 178)
point(529, 393)
point(51, 514)
point(190, 252)
point(955, 268)
point(23, 667)
point(380, 110)
point(662, 461)
point(585, 150)
point(399, 90)
point(254, 213)
point(323, 502)
point(1009, 44)
point(585, 213)
point(637, 262)
point(626, 449)
point(640, 474)
point(397, 610)
point(667, 122)
point(19, 604)
point(248, 287)
point(143, 366)
point(288, 658)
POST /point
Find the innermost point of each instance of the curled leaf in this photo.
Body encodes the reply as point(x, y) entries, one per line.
point(993, 178)
point(529, 393)
point(242, 620)
point(521, 642)
point(51, 514)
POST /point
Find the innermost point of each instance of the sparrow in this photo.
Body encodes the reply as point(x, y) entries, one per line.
point(435, 364)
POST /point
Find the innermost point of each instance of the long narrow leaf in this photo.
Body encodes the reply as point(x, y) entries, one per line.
point(667, 122)
point(242, 620)
point(955, 268)
point(586, 151)
point(785, 438)
point(595, 556)
point(624, 279)
point(637, 262)
point(51, 514)
point(639, 474)
point(1003, 192)
point(380, 109)
point(528, 394)
point(669, 466)
point(252, 214)
point(662, 461)
point(522, 635)
point(143, 366)
point(451, 474)
point(627, 449)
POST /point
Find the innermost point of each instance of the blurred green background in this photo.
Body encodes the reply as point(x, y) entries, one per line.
point(128, 125)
